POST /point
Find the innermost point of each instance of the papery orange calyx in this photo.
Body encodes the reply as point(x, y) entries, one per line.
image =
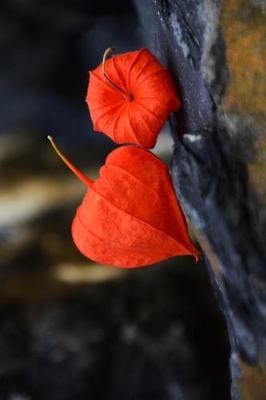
point(130, 97)
point(130, 216)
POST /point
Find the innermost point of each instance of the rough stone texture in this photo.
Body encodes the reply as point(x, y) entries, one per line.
point(210, 177)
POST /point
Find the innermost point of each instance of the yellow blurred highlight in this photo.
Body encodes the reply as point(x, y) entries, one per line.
point(86, 273)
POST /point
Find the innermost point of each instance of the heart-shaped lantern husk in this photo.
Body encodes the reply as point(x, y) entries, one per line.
point(130, 216)
point(130, 97)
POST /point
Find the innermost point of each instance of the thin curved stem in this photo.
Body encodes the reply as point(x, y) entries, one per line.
point(108, 79)
point(84, 179)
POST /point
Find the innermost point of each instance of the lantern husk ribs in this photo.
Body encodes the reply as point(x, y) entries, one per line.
point(130, 216)
point(133, 101)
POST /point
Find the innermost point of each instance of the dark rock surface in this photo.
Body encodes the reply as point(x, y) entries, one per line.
point(211, 176)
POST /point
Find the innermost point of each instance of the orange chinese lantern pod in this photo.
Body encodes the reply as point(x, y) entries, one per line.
point(130, 97)
point(130, 216)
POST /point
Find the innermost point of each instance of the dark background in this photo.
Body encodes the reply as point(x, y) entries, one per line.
point(70, 329)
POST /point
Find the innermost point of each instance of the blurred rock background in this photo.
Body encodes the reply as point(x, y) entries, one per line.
point(70, 329)
point(243, 23)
